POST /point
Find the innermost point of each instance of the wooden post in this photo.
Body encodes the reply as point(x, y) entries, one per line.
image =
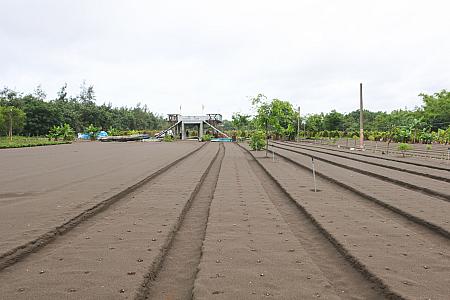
point(298, 124)
point(10, 124)
point(361, 118)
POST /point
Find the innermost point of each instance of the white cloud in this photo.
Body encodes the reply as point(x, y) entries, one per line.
point(167, 53)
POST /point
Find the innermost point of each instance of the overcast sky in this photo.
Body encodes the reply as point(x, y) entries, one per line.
point(219, 53)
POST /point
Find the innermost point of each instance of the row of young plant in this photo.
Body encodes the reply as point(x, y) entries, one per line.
point(396, 134)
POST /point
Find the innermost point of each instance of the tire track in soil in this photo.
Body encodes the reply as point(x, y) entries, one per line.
point(411, 186)
point(17, 254)
point(349, 156)
point(179, 262)
point(419, 224)
point(395, 285)
point(347, 282)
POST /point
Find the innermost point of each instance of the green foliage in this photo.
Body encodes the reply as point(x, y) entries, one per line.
point(12, 120)
point(436, 109)
point(207, 137)
point(168, 138)
point(21, 142)
point(333, 121)
point(240, 121)
point(403, 147)
point(78, 112)
point(64, 132)
point(257, 140)
point(276, 116)
point(114, 132)
point(92, 131)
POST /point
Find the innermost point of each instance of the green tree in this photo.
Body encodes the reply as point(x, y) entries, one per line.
point(333, 121)
point(283, 117)
point(13, 120)
point(436, 109)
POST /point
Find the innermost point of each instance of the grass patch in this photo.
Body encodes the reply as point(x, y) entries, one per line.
point(23, 141)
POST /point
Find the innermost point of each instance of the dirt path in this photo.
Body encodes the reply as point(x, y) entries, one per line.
point(409, 263)
point(346, 281)
point(176, 278)
point(249, 251)
point(109, 256)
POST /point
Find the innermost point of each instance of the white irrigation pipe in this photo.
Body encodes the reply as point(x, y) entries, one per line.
point(314, 174)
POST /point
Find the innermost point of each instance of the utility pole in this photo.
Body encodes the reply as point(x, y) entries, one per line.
point(10, 124)
point(361, 118)
point(298, 124)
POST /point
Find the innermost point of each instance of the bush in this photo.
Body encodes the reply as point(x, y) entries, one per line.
point(206, 137)
point(168, 138)
point(257, 140)
point(65, 132)
point(92, 131)
point(403, 147)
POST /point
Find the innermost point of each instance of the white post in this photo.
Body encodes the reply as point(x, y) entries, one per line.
point(314, 174)
point(361, 118)
point(183, 133)
point(448, 155)
point(273, 156)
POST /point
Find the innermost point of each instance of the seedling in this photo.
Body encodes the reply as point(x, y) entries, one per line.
point(403, 147)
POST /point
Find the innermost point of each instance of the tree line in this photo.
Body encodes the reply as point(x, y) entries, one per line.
point(428, 123)
point(32, 114)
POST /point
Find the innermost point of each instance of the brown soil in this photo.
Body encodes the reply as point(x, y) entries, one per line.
point(211, 221)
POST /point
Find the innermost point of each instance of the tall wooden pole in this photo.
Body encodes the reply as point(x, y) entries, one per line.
point(10, 124)
point(298, 124)
point(361, 118)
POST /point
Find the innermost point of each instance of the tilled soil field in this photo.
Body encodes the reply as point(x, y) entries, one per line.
point(217, 221)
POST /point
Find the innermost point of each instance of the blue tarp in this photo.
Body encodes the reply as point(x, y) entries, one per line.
point(87, 136)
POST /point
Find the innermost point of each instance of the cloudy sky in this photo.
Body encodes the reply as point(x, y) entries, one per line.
point(219, 53)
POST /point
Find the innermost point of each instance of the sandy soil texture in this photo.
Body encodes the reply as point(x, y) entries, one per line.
point(406, 200)
point(109, 256)
point(43, 187)
point(409, 260)
point(191, 220)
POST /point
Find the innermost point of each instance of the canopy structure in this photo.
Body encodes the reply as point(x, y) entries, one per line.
point(180, 125)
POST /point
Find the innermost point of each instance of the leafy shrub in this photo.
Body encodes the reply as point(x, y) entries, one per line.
point(403, 147)
point(206, 137)
point(257, 140)
point(64, 132)
point(92, 131)
point(168, 138)
point(114, 132)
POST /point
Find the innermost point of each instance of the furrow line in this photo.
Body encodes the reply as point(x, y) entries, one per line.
point(347, 282)
point(359, 266)
point(424, 190)
point(436, 177)
point(184, 243)
point(17, 254)
point(430, 226)
point(384, 158)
